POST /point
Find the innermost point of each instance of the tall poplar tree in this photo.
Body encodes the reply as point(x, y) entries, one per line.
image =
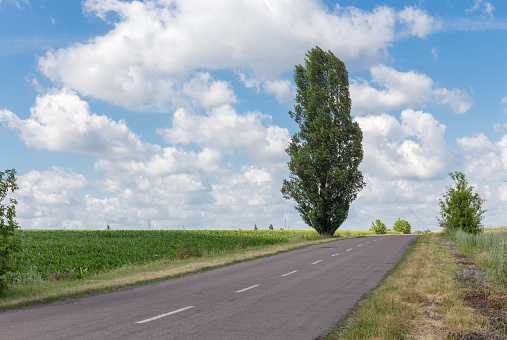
point(326, 152)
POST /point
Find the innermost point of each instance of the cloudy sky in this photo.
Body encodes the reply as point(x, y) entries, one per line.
point(176, 111)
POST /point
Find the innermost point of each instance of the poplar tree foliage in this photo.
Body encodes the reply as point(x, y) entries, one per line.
point(326, 152)
point(460, 207)
point(9, 243)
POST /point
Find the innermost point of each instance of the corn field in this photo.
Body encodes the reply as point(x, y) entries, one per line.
point(63, 254)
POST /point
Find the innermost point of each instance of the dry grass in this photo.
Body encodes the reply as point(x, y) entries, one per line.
point(46, 291)
point(418, 300)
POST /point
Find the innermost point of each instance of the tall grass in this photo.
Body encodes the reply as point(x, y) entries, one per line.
point(489, 248)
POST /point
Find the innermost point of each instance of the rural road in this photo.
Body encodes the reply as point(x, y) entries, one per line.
point(294, 295)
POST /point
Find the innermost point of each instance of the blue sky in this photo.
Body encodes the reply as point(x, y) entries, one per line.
point(120, 112)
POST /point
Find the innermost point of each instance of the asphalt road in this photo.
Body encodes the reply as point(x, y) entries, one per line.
point(294, 295)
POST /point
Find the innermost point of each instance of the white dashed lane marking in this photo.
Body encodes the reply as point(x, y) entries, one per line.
point(166, 314)
point(290, 273)
point(247, 288)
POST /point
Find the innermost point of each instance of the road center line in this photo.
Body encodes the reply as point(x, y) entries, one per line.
point(317, 262)
point(292, 272)
point(349, 249)
point(335, 254)
point(166, 314)
point(247, 288)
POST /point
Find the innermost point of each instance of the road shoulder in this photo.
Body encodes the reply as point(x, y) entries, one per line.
point(418, 299)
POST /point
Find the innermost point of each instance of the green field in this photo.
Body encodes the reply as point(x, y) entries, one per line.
point(57, 254)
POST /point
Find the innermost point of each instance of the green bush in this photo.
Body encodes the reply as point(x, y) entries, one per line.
point(402, 227)
point(378, 227)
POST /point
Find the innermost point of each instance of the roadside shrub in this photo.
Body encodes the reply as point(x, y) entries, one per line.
point(460, 207)
point(378, 227)
point(402, 226)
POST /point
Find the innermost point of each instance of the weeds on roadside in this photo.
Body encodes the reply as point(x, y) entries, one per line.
point(187, 250)
point(488, 249)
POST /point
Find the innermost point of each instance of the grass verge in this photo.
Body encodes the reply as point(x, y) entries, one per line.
point(418, 299)
point(488, 250)
point(48, 291)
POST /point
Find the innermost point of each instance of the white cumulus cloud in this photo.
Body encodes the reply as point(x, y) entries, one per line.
point(156, 46)
point(48, 198)
point(230, 133)
point(283, 90)
point(208, 93)
point(399, 90)
point(486, 160)
point(414, 148)
point(61, 121)
point(419, 23)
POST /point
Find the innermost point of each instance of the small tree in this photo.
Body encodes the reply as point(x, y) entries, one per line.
point(378, 227)
point(255, 227)
point(271, 227)
point(402, 226)
point(326, 152)
point(460, 208)
point(9, 243)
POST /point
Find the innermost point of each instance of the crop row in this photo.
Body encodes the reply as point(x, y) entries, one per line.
point(55, 254)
